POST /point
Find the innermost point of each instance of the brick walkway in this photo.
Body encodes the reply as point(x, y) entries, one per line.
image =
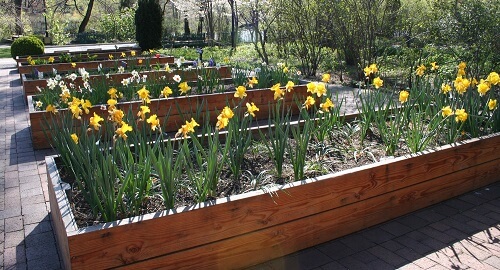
point(461, 233)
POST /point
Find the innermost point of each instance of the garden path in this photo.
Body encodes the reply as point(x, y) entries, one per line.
point(460, 233)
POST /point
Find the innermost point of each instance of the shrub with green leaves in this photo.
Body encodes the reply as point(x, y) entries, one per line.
point(148, 24)
point(28, 45)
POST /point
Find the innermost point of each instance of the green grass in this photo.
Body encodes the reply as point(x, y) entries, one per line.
point(5, 52)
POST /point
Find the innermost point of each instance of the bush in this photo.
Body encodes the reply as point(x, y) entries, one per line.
point(28, 45)
point(90, 37)
point(148, 23)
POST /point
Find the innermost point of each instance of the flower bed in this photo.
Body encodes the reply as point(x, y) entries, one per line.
point(79, 55)
point(248, 229)
point(30, 87)
point(178, 109)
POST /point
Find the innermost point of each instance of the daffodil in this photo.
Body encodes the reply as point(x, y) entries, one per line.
point(483, 87)
point(154, 122)
point(143, 94)
point(462, 65)
point(73, 65)
point(493, 78)
point(38, 104)
point(86, 105)
point(461, 85)
point(112, 104)
point(240, 92)
point(167, 91)
point(434, 66)
point(187, 128)
point(139, 61)
point(251, 109)
point(51, 108)
point(143, 111)
point(371, 69)
point(222, 122)
point(184, 87)
point(278, 92)
point(177, 78)
point(116, 116)
point(378, 82)
point(326, 78)
point(289, 86)
point(492, 104)
point(94, 121)
point(321, 89)
point(123, 129)
point(132, 53)
point(403, 96)
point(74, 137)
point(446, 111)
point(227, 112)
point(112, 92)
point(325, 106)
point(65, 95)
point(123, 55)
point(312, 87)
point(309, 102)
point(285, 70)
point(51, 59)
point(110, 56)
point(445, 88)
point(420, 70)
point(75, 108)
point(460, 115)
point(252, 82)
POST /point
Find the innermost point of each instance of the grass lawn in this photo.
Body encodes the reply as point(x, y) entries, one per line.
point(5, 53)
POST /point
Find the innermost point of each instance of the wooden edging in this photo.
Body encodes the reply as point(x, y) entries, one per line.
point(99, 53)
point(250, 228)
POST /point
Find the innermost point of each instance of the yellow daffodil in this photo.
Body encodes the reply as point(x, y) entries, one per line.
point(112, 92)
point(222, 122)
point(326, 78)
point(309, 102)
point(51, 59)
point(371, 69)
point(285, 70)
point(139, 61)
point(65, 95)
point(460, 115)
point(76, 110)
point(123, 55)
point(166, 92)
point(73, 65)
point(154, 122)
point(492, 104)
point(32, 62)
point(278, 92)
point(446, 111)
point(143, 94)
point(252, 82)
point(378, 82)
point(143, 111)
point(184, 87)
point(110, 56)
point(240, 92)
point(403, 96)
point(312, 87)
point(461, 72)
point(434, 66)
point(474, 82)
point(462, 65)
point(445, 88)
point(112, 104)
point(187, 128)
point(74, 137)
point(325, 106)
point(321, 89)
point(94, 121)
point(251, 109)
point(420, 70)
point(51, 108)
point(227, 112)
point(483, 87)
point(461, 85)
point(116, 116)
point(493, 78)
point(122, 131)
point(132, 53)
point(86, 105)
point(289, 86)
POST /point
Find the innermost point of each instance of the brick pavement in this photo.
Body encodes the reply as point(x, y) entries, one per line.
point(461, 233)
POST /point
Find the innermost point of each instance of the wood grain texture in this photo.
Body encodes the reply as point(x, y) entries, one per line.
point(376, 191)
point(84, 55)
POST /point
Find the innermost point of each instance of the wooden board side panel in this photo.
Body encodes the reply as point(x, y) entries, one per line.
point(274, 242)
point(196, 227)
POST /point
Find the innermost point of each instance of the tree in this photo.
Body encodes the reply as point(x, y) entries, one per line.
point(148, 23)
point(19, 13)
point(86, 18)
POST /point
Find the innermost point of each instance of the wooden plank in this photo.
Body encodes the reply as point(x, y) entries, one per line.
point(274, 242)
point(249, 212)
point(102, 55)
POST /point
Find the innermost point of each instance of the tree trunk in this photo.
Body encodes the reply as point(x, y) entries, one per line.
point(86, 19)
point(19, 12)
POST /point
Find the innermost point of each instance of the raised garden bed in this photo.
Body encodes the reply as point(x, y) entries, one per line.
point(30, 86)
point(93, 65)
point(213, 103)
point(247, 229)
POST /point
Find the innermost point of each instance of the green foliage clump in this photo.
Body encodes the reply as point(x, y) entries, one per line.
point(148, 23)
point(28, 45)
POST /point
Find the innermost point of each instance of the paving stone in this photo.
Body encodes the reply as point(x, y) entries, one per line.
point(409, 254)
point(472, 262)
point(333, 266)
point(335, 249)
point(364, 257)
point(392, 245)
point(357, 242)
point(409, 266)
point(40, 251)
point(310, 258)
point(429, 215)
point(14, 239)
point(13, 256)
point(45, 263)
point(413, 244)
point(388, 256)
point(350, 262)
point(37, 228)
point(493, 261)
point(13, 224)
point(413, 221)
point(395, 228)
point(437, 235)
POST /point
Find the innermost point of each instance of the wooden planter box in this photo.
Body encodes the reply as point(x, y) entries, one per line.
point(188, 105)
point(93, 65)
point(30, 86)
point(100, 54)
point(244, 230)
